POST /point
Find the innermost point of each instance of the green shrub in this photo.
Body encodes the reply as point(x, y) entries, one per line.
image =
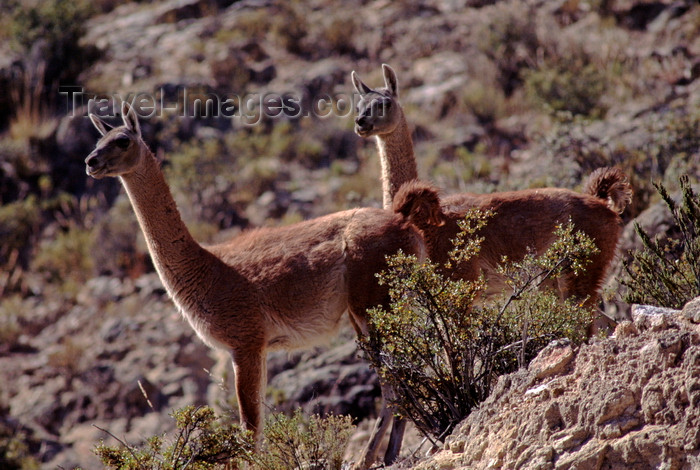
point(283, 22)
point(454, 166)
point(19, 222)
point(297, 442)
point(666, 271)
point(205, 441)
point(292, 26)
point(16, 444)
point(573, 86)
point(511, 42)
point(253, 24)
point(442, 352)
point(11, 309)
point(665, 147)
point(202, 441)
point(117, 234)
point(58, 25)
point(337, 36)
point(202, 174)
point(66, 259)
point(68, 357)
point(486, 101)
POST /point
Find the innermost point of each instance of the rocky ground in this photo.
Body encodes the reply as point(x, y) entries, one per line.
point(628, 401)
point(92, 347)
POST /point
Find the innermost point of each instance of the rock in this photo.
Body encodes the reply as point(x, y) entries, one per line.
point(625, 329)
point(651, 317)
point(691, 310)
point(552, 360)
point(618, 398)
point(351, 390)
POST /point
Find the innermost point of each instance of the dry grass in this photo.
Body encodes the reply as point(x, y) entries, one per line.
point(31, 117)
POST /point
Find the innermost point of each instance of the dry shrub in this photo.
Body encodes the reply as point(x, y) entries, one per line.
point(442, 352)
point(666, 271)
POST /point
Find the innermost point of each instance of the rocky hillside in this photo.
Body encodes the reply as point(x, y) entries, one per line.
point(629, 401)
point(500, 95)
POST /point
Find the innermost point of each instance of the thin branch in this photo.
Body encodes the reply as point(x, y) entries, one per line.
point(123, 443)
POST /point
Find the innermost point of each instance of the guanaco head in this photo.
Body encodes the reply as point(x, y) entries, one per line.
point(378, 111)
point(119, 150)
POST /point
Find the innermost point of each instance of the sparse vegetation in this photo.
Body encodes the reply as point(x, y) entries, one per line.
point(663, 154)
point(511, 43)
point(67, 259)
point(47, 35)
point(15, 445)
point(572, 86)
point(442, 351)
point(487, 102)
point(666, 272)
point(10, 323)
point(205, 441)
point(68, 358)
point(297, 442)
point(19, 222)
point(117, 234)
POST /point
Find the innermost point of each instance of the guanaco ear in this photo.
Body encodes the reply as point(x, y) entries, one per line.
point(101, 126)
point(390, 80)
point(359, 85)
point(131, 120)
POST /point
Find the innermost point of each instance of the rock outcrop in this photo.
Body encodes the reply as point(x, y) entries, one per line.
point(628, 401)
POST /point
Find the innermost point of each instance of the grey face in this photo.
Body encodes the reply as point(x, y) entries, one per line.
point(375, 114)
point(115, 154)
point(378, 111)
point(118, 151)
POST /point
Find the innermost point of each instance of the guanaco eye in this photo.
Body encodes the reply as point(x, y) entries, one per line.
point(122, 142)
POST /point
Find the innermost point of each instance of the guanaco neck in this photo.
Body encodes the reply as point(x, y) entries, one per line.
point(397, 159)
point(181, 262)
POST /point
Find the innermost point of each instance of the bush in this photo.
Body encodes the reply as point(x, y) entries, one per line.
point(118, 235)
point(486, 101)
point(284, 22)
point(202, 175)
point(55, 26)
point(205, 441)
point(16, 444)
point(664, 146)
point(511, 42)
point(296, 442)
point(573, 86)
point(202, 442)
point(66, 259)
point(11, 327)
point(19, 223)
point(442, 352)
point(666, 271)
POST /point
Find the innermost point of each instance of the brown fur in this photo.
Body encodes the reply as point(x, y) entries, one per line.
point(269, 288)
point(524, 220)
point(611, 185)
